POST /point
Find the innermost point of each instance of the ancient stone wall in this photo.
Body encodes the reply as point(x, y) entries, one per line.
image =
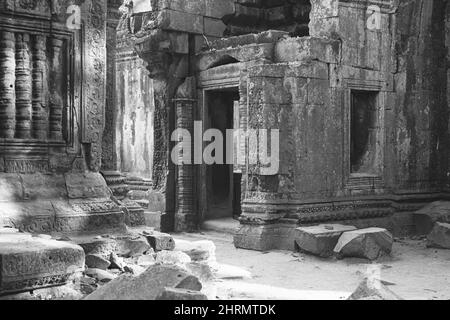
point(135, 117)
point(52, 92)
point(388, 58)
point(307, 94)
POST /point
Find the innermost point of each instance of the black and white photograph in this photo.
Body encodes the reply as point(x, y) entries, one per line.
point(217, 156)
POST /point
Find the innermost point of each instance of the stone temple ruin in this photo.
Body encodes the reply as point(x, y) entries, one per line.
point(87, 111)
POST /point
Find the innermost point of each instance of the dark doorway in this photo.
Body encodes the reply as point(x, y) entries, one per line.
point(363, 132)
point(224, 181)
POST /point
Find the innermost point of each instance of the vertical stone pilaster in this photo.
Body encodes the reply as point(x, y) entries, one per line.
point(39, 116)
point(23, 87)
point(56, 102)
point(7, 84)
point(185, 218)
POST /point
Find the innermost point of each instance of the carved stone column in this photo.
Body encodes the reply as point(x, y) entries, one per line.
point(56, 102)
point(7, 81)
point(23, 87)
point(39, 116)
point(185, 218)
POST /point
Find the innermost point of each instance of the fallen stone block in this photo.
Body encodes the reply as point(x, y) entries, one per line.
point(177, 258)
point(28, 263)
point(124, 246)
point(198, 250)
point(148, 285)
point(424, 219)
point(320, 240)
point(161, 241)
point(97, 262)
point(201, 270)
point(61, 293)
point(373, 290)
point(440, 236)
point(116, 262)
point(132, 247)
point(134, 269)
point(146, 260)
point(181, 295)
point(368, 243)
point(100, 275)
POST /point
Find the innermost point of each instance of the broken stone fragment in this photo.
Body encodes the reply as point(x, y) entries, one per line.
point(148, 285)
point(373, 290)
point(134, 269)
point(181, 294)
point(28, 263)
point(440, 236)
point(202, 270)
point(368, 243)
point(161, 241)
point(177, 258)
point(424, 219)
point(146, 260)
point(96, 261)
point(198, 251)
point(100, 275)
point(320, 240)
point(132, 247)
point(116, 262)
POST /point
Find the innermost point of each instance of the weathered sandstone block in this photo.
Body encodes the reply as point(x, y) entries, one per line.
point(440, 236)
point(426, 218)
point(320, 240)
point(368, 243)
point(181, 294)
point(161, 241)
point(28, 263)
point(97, 261)
point(148, 285)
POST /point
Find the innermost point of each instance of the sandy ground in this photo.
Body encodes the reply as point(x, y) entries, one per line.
point(413, 272)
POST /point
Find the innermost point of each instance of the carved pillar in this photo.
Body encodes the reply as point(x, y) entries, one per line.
point(23, 87)
point(7, 80)
point(39, 117)
point(185, 218)
point(56, 102)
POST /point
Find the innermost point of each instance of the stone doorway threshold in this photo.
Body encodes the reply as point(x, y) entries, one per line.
point(222, 225)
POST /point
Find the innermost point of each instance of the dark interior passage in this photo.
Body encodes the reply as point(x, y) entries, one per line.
point(224, 192)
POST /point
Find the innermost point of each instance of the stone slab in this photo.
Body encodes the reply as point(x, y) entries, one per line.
point(28, 263)
point(181, 294)
point(424, 219)
point(320, 240)
point(440, 236)
point(161, 241)
point(148, 285)
point(368, 243)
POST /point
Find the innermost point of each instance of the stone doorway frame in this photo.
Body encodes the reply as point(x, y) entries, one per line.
point(215, 79)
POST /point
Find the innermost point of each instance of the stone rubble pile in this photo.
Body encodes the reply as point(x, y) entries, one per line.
point(344, 241)
point(150, 265)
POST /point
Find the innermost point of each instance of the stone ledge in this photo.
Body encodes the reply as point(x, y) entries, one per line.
point(28, 263)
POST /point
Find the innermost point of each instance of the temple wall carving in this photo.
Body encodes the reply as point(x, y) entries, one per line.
point(52, 117)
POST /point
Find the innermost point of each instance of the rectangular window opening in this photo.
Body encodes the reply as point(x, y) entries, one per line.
point(363, 133)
